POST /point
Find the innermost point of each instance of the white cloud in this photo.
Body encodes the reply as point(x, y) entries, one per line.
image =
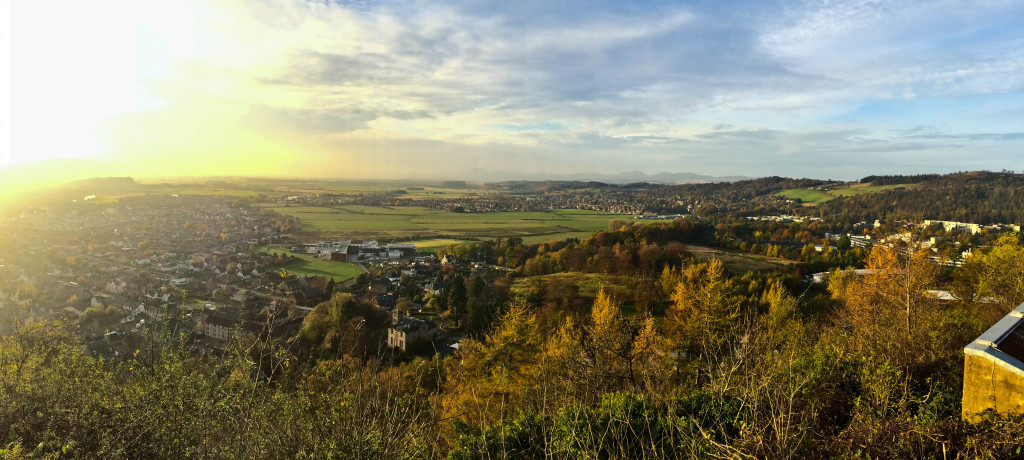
point(645, 84)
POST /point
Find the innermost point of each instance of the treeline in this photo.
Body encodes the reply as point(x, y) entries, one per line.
point(745, 198)
point(745, 189)
point(975, 197)
point(899, 179)
point(625, 248)
point(636, 249)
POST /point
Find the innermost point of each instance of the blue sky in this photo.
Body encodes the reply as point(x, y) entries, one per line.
point(830, 89)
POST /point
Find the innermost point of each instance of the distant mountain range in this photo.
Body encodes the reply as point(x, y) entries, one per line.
point(483, 175)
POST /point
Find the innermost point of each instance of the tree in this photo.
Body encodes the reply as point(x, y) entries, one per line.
point(329, 288)
point(1002, 274)
point(703, 314)
point(669, 279)
point(497, 375)
point(327, 326)
point(457, 299)
point(967, 278)
point(404, 305)
point(477, 306)
point(620, 348)
point(608, 352)
point(889, 307)
point(432, 304)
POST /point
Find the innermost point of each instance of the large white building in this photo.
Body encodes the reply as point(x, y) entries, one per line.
point(949, 225)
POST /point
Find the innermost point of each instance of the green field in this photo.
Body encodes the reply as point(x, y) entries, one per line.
point(418, 223)
point(312, 266)
point(811, 196)
point(806, 195)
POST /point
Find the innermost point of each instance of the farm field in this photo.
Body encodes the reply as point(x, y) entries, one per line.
point(280, 188)
point(432, 245)
point(312, 266)
point(420, 223)
point(812, 197)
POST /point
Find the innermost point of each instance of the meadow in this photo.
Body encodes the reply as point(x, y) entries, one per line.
point(589, 283)
point(810, 196)
point(419, 223)
point(737, 262)
point(311, 266)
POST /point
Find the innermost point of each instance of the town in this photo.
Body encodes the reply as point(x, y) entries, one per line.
point(193, 265)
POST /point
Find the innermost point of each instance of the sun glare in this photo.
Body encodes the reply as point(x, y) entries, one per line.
point(71, 72)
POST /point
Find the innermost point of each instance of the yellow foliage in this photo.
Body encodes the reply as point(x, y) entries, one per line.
point(889, 309)
point(496, 376)
point(704, 311)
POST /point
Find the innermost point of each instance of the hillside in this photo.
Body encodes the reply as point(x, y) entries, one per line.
point(977, 197)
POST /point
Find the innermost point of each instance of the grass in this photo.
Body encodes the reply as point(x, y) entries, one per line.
point(560, 236)
point(433, 193)
point(737, 262)
point(589, 283)
point(312, 266)
point(858, 189)
point(419, 223)
point(806, 195)
point(432, 245)
point(811, 196)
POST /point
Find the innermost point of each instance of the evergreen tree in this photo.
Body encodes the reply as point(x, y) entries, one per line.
point(457, 298)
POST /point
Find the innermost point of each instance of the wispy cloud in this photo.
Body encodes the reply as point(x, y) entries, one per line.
point(785, 87)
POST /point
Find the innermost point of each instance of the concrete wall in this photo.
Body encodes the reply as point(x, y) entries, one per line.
point(989, 384)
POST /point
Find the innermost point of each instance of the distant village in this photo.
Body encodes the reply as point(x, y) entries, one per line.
point(190, 265)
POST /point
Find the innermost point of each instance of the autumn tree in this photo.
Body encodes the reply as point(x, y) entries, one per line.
point(608, 352)
point(888, 307)
point(1001, 275)
point(328, 326)
point(497, 375)
point(703, 315)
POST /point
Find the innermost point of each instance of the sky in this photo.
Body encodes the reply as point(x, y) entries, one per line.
point(405, 89)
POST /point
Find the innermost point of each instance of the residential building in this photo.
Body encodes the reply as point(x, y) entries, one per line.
point(408, 329)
